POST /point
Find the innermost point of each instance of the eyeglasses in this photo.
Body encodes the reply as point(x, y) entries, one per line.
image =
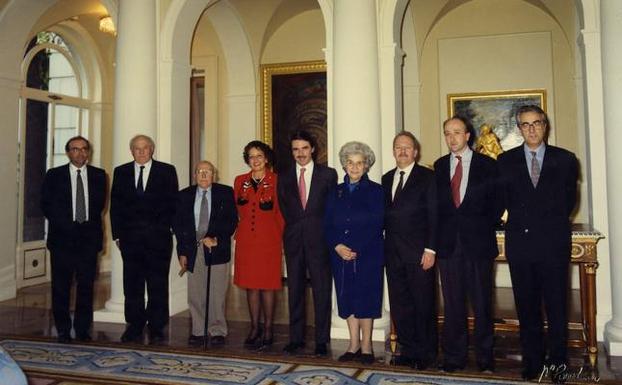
point(536, 124)
point(78, 149)
point(204, 172)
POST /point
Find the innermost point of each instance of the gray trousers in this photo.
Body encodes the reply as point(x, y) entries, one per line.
point(197, 286)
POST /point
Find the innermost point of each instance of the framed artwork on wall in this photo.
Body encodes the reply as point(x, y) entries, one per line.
point(495, 110)
point(293, 97)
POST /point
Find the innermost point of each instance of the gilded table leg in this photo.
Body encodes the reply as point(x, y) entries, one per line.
point(590, 288)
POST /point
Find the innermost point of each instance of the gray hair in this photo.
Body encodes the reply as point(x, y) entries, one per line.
point(141, 136)
point(353, 148)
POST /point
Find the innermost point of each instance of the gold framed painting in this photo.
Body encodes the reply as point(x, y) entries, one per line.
point(495, 110)
point(293, 97)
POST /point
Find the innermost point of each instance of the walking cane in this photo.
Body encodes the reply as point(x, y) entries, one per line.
point(209, 279)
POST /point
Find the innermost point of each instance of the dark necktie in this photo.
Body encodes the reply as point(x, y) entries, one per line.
point(535, 169)
point(140, 187)
point(203, 217)
point(80, 203)
point(400, 186)
point(456, 180)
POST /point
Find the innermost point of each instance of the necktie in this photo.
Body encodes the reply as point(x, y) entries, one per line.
point(80, 204)
point(140, 189)
point(400, 186)
point(535, 169)
point(203, 216)
point(456, 180)
point(302, 188)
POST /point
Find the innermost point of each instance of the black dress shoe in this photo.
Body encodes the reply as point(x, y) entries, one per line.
point(486, 368)
point(156, 337)
point(450, 368)
point(196, 340)
point(530, 374)
point(367, 358)
point(293, 347)
point(402, 360)
point(83, 337)
point(131, 335)
point(320, 350)
point(217, 340)
point(349, 356)
point(64, 338)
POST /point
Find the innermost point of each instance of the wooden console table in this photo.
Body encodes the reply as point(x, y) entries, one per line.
point(583, 254)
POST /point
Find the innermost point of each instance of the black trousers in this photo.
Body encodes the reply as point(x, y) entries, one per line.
point(144, 265)
point(67, 264)
point(321, 287)
point(467, 280)
point(412, 295)
point(536, 281)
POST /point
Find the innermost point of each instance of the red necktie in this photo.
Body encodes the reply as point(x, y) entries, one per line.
point(455, 182)
point(302, 188)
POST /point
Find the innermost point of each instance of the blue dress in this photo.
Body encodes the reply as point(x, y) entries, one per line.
point(354, 217)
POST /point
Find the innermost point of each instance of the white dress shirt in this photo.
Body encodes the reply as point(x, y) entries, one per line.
point(396, 177)
point(73, 175)
point(146, 171)
point(308, 174)
point(467, 155)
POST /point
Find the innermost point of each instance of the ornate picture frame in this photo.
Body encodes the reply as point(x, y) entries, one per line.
point(495, 109)
point(293, 96)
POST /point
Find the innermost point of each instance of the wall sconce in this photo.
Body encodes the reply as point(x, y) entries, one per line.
point(107, 26)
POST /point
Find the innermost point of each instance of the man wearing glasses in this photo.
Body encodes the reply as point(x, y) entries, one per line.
point(205, 220)
point(72, 200)
point(539, 184)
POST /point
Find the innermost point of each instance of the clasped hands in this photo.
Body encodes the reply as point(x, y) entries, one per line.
point(427, 259)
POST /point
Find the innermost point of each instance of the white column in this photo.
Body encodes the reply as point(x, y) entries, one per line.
point(135, 112)
point(611, 23)
point(356, 102)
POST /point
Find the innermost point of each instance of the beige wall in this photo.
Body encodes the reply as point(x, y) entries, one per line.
point(300, 38)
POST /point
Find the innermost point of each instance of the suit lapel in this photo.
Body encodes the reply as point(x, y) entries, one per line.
point(388, 187)
point(315, 179)
point(445, 175)
point(474, 169)
point(212, 208)
point(66, 183)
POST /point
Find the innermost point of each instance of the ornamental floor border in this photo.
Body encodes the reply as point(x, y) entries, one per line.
point(116, 365)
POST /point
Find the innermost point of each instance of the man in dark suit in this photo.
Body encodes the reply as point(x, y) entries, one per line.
point(302, 192)
point(469, 208)
point(539, 183)
point(72, 199)
point(141, 211)
point(410, 243)
point(205, 220)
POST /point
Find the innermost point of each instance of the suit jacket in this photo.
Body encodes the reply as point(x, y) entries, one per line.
point(304, 228)
point(538, 217)
point(222, 223)
point(411, 220)
point(475, 220)
point(57, 206)
point(135, 217)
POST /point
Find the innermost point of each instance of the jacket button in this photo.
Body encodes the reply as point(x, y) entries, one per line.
point(526, 231)
point(346, 232)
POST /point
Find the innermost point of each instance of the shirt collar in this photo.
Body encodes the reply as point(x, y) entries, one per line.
point(147, 165)
point(407, 169)
point(73, 167)
point(466, 154)
point(539, 151)
point(308, 167)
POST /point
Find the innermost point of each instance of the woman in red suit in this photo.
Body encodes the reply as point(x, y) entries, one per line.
point(258, 240)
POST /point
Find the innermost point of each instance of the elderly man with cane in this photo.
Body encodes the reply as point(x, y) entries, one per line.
point(205, 220)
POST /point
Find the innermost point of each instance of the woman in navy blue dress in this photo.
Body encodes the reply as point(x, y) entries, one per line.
point(353, 229)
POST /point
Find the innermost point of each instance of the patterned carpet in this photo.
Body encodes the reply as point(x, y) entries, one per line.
point(47, 363)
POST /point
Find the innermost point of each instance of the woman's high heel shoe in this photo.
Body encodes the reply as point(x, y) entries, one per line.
point(253, 338)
